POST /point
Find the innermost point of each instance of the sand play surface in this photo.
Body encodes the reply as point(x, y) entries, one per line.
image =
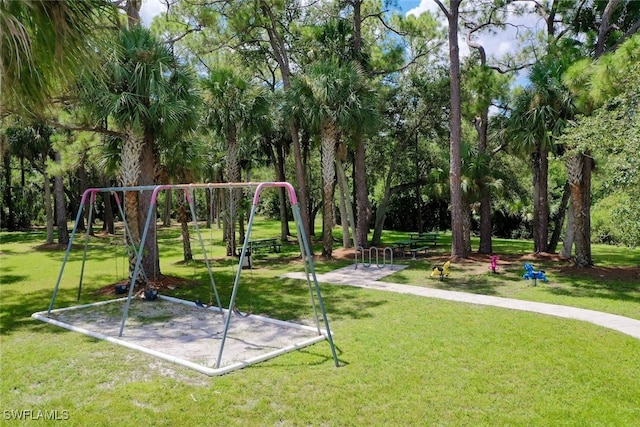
point(182, 332)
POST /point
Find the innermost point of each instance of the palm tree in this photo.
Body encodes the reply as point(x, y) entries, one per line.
point(149, 97)
point(540, 113)
point(330, 95)
point(479, 178)
point(43, 45)
point(233, 109)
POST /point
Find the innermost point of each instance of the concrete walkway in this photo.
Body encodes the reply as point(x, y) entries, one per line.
point(368, 278)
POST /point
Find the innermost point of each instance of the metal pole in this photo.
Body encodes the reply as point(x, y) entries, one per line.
point(236, 282)
point(86, 244)
point(136, 269)
point(204, 251)
point(315, 281)
point(66, 254)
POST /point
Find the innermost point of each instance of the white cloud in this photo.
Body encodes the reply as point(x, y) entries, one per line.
point(426, 6)
point(149, 10)
point(504, 47)
point(499, 44)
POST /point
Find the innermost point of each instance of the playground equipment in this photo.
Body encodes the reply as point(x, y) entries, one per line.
point(530, 273)
point(494, 263)
point(441, 271)
point(312, 282)
point(360, 250)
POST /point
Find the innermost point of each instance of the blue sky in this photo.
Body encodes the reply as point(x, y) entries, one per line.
point(151, 8)
point(496, 44)
point(407, 5)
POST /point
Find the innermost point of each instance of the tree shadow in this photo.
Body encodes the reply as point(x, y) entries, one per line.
point(17, 308)
point(476, 285)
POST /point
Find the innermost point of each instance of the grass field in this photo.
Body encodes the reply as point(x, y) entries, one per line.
point(404, 360)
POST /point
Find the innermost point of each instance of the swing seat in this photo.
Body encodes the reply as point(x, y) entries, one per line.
point(121, 289)
point(150, 294)
point(441, 271)
point(241, 314)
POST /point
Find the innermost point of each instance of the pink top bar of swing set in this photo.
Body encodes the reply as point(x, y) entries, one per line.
point(157, 188)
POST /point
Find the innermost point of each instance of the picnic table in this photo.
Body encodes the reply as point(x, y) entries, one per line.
point(269, 243)
point(412, 245)
point(430, 237)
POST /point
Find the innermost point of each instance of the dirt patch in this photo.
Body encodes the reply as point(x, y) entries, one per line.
point(163, 283)
point(342, 253)
point(55, 247)
point(480, 264)
point(623, 274)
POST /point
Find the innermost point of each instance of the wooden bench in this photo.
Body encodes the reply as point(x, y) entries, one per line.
point(271, 244)
point(414, 251)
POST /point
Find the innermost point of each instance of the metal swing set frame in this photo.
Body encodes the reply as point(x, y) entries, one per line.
point(317, 303)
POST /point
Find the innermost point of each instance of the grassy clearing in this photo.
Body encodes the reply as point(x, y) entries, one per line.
point(612, 287)
point(405, 360)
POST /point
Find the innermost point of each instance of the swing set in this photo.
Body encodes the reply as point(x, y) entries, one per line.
point(304, 335)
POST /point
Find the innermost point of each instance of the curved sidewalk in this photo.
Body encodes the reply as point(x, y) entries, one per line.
point(367, 278)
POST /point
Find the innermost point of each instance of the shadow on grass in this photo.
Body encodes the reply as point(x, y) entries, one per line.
point(17, 308)
point(573, 286)
point(7, 277)
point(21, 237)
point(483, 285)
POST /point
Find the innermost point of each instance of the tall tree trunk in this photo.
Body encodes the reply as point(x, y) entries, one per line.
point(280, 53)
point(233, 175)
point(559, 219)
point(277, 156)
point(486, 228)
point(418, 189)
point(482, 125)
point(150, 256)
point(341, 156)
point(187, 254)
point(129, 176)
point(466, 227)
point(583, 209)
point(305, 145)
point(107, 224)
point(132, 8)
point(302, 194)
point(166, 216)
point(576, 169)
point(567, 243)
point(486, 224)
point(543, 204)
point(363, 214)
point(347, 227)
point(344, 220)
point(535, 182)
point(455, 170)
point(83, 184)
point(328, 136)
point(209, 206)
point(381, 212)
point(48, 207)
point(7, 196)
point(61, 205)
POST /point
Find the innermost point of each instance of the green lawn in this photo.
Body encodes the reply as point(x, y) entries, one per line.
point(404, 360)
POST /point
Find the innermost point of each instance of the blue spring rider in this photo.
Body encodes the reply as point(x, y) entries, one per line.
point(532, 274)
